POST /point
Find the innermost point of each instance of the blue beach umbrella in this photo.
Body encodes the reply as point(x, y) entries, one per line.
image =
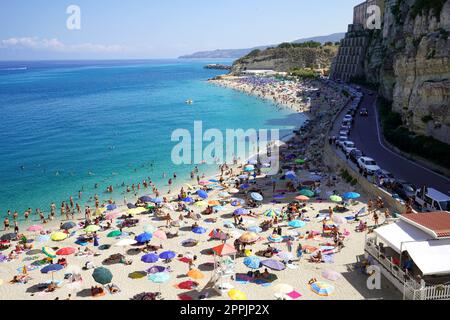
point(145, 199)
point(42, 238)
point(188, 200)
point(202, 194)
point(51, 268)
point(219, 208)
point(156, 200)
point(351, 195)
point(159, 277)
point(240, 211)
point(245, 186)
point(131, 206)
point(199, 230)
point(243, 176)
point(252, 262)
point(144, 237)
point(256, 196)
point(111, 207)
point(296, 224)
point(255, 229)
point(271, 213)
point(68, 225)
point(149, 258)
point(291, 175)
point(167, 255)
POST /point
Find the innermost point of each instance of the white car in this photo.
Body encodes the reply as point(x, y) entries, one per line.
point(348, 146)
point(341, 140)
point(347, 118)
point(368, 165)
point(344, 132)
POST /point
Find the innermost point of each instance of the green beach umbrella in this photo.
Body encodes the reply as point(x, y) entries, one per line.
point(92, 228)
point(49, 252)
point(102, 275)
point(115, 233)
point(306, 192)
point(335, 198)
point(300, 161)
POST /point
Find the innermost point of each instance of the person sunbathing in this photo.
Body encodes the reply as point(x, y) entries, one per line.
point(317, 258)
point(97, 291)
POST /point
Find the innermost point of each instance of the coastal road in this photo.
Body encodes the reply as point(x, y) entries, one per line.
point(366, 134)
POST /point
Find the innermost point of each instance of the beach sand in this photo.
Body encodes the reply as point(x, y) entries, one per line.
point(351, 286)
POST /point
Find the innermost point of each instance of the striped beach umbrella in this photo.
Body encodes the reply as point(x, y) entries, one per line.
point(49, 252)
point(272, 213)
point(322, 288)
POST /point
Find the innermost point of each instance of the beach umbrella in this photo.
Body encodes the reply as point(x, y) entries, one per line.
point(256, 196)
point(201, 204)
point(145, 199)
point(134, 211)
point(114, 234)
point(240, 211)
point(271, 213)
point(99, 211)
point(237, 295)
point(249, 168)
point(137, 275)
point(233, 190)
point(273, 264)
point(131, 206)
point(214, 202)
point(285, 256)
point(65, 251)
point(149, 258)
point(219, 208)
point(351, 195)
point(111, 207)
point(42, 238)
point(244, 186)
point(157, 200)
point(51, 268)
point(322, 288)
point(224, 249)
point(283, 288)
point(102, 275)
point(307, 193)
point(331, 275)
point(68, 225)
point(302, 198)
point(125, 242)
point(339, 220)
point(255, 229)
point(91, 228)
point(187, 285)
point(49, 252)
point(252, 262)
point(160, 234)
point(58, 236)
point(249, 237)
point(189, 243)
point(296, 223)
point(8, 237)
point(202, 194)
point(166, 255)
point(156, 269)
point(291, 175)
point(275, 238)
point(199, 230)
point(188, 200)
point(144, 237)
point(149, 228)
point(204, 182)
point(35, 228)
point(224, 194)
point(159, 277)
point(113, 214)
point(300, 161)
point(335, 198)
point(195, 274)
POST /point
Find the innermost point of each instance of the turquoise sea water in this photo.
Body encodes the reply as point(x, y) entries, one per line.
point(66, 126)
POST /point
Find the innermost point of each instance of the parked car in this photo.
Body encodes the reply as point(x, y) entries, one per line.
point(348, 146)
point(347, 118)
point(363, 112)
point(430, 199)
point(345, 127)
point(368, 165)
point(341, 140)
point(344, 132)
point(355, 154)
point(385, 177)
point(404, 189)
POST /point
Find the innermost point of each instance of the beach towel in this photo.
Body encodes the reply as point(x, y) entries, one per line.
point(185, 297)
point(328, 258)
point(294, 295)
point(29, 268)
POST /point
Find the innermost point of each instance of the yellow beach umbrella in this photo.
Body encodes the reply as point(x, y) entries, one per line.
point(134, 211)
point(237, 295)
point(99, 211)
point(195, 274)
point(201, 204)
point(58, 236)
point(91, 228)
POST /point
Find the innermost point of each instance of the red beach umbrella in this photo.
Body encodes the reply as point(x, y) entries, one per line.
point(65, 251)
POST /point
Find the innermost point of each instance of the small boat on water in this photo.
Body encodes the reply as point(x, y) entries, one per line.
point(189, 101)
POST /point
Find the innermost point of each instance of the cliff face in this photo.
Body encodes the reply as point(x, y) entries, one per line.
point(285, 59)
point(409, 58)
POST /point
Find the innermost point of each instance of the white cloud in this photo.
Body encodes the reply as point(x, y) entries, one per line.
point(44, 44)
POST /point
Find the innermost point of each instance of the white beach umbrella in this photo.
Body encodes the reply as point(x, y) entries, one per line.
point(125, 242)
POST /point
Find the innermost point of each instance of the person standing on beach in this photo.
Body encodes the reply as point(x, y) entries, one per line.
point(26, 214)
point(63, 208)
point(6, 223)
point(15, 215)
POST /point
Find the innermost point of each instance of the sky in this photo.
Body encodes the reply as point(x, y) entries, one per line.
point(152, 29)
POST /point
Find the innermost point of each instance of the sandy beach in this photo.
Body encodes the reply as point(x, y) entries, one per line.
point(319, 102)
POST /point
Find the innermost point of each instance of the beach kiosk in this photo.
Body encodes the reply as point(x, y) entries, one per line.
point(224, 257)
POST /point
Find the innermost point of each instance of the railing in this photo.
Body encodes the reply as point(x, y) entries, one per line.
point(412, 289)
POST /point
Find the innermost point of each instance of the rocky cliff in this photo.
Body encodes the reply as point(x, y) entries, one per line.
point(284, 59)
point(409, 59)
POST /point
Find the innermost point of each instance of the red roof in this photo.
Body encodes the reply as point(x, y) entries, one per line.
point(224, 249)
point(437, 222)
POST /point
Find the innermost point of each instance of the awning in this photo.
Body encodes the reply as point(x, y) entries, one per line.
point(431, 257)
point(396, 233)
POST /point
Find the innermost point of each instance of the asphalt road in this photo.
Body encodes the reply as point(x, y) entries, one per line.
point(366, 136)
